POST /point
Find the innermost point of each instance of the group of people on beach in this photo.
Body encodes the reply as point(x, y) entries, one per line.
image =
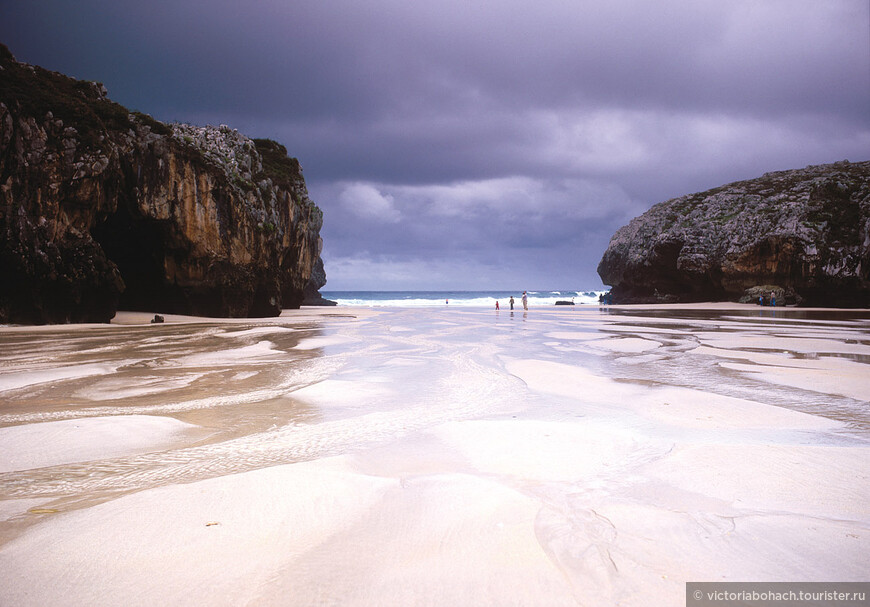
point(525, 300)
point(772, 300)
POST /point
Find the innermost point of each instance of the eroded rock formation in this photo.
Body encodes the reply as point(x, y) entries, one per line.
point(311, 293)
point(102, 208)
point(805, 232)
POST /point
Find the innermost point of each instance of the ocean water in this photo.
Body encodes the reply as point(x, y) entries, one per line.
point(478, 299)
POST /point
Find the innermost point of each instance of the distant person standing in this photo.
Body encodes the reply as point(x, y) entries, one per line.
point(496, 306)
point(512, 302)
point(773, 299)
point(525, 301)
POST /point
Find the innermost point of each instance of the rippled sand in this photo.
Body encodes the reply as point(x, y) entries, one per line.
point(433, 456)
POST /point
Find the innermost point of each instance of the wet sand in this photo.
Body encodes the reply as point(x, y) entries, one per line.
point(350, 456)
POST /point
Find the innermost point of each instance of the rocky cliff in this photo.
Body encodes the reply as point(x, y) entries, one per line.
point(804, 233)
point(102, 208)
point(311, 293)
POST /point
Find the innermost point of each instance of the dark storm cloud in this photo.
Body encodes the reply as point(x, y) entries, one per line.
point(475, 143)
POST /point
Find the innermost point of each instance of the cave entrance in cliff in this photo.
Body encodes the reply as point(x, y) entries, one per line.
point(136, 245)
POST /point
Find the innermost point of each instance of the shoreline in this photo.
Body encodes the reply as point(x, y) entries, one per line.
point(553, 457)
point(134, 318)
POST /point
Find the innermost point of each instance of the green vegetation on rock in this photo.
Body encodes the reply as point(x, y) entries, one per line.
point(282, 169)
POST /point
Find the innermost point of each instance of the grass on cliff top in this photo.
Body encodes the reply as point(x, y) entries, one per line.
point(35, 91)
point(283, 170)
point(277, 165)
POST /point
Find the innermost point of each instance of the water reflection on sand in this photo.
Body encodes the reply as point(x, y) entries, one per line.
point(579, 419)
point(243, 384)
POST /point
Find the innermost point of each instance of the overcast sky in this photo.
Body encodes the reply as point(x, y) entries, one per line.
point(470, 144)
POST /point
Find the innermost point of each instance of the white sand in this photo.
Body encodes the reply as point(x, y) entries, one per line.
point(473, 461)
point(670, 405)
point(231, 356)
point(626, 344)
point(828, 375)
point(23, 379)
point(160, 547)
point(313, 343)
point(332, 394)
point(87, 439)
point(256, 332)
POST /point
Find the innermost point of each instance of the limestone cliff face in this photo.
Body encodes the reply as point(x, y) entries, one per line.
point(805, 232)
point(101, 208)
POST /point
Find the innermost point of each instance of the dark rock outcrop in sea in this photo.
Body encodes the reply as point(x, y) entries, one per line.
point(102, 208)
point(311, 293)
point(802, 233)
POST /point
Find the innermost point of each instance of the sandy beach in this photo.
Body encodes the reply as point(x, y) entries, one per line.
point(359, 456)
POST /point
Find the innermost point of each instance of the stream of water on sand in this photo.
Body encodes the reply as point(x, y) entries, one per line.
point(595, 423)
point(239, 382)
